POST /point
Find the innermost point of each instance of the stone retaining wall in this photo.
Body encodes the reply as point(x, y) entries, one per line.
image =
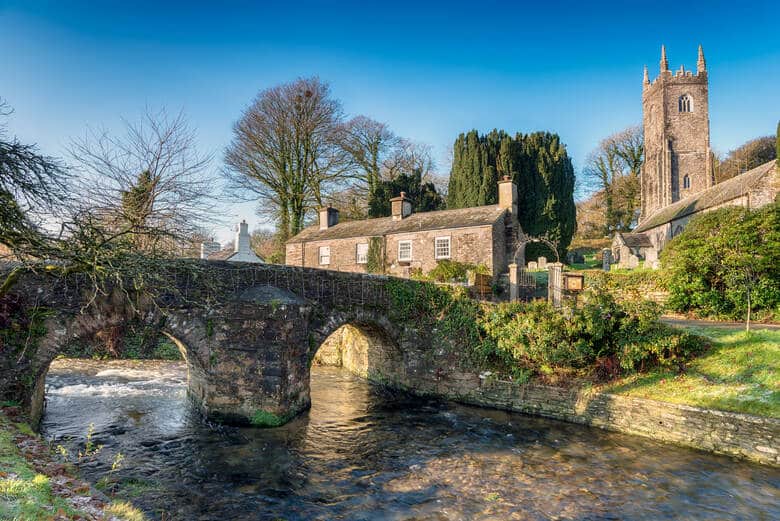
point(741, 435)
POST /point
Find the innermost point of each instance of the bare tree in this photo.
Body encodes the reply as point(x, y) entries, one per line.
point(32, 187)
point(285, 152)
point(409, 156)
point(745, 157)
point(149, 184)
point(612, 170)
point(369, 144)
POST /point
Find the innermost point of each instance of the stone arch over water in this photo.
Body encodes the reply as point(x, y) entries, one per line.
point(248, 333)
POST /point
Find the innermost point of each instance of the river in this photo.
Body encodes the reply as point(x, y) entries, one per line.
point(364, 454)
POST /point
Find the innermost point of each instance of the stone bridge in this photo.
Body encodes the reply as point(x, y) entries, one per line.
point(248, 333)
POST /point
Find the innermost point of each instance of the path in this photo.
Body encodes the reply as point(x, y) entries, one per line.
point(684, 322)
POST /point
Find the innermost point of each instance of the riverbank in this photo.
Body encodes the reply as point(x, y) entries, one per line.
point(725, 401)
point(35, 486)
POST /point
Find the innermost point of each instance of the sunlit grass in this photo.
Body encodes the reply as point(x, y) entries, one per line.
point(125, 511)
point(740, 373)
point(25, 494)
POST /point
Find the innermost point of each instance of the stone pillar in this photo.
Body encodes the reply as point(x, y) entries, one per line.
point(514, 289)
point(555, 284)
point(606, 258)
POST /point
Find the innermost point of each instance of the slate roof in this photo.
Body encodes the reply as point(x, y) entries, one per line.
point(713, 196)
point(222, 254)
point(424, 221)
point(636, 240)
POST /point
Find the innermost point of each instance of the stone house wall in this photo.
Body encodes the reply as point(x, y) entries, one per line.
point(473, 245)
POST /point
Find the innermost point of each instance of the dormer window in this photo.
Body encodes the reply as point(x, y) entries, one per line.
point(685, 103)
point(686, 181)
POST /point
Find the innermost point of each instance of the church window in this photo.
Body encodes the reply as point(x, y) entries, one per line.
point(685, 103)
point(686, 181)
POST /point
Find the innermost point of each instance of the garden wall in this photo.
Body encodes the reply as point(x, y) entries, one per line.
point(741, 435)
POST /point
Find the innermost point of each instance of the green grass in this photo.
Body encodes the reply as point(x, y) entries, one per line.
point(24, 493)
point(740, 373)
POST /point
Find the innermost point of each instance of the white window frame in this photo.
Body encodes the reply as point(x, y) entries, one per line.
point(436, 247)
point(405, 259)
point(324, 255)
point(361, 258)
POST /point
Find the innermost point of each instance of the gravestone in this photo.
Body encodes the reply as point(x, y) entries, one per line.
point(633, 262)
point(606, 259)
point(542, 263)
point(533, 266)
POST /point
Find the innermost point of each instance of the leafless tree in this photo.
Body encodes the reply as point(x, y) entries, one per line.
point(149, 183)
point(285, 153)
point(409, 156)
point(612, 170)
point(369, 144)
point(745, 157)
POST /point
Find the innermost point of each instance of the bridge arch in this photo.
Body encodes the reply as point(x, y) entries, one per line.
point(63, 328)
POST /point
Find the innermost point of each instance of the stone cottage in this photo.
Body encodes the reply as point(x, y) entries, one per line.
point(407, 241)
point(241, 251)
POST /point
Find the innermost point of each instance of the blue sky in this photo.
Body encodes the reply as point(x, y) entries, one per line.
point(429, 70)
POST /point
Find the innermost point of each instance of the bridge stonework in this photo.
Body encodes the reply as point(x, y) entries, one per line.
point(248, 333)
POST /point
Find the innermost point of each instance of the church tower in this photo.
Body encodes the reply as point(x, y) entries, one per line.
point(678, 159)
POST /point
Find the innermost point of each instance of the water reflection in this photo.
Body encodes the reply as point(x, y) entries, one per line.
point(362, 454)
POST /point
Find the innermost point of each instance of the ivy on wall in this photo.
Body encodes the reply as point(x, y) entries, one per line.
point(376, 256)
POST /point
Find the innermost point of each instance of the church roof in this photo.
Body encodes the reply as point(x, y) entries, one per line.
point(715, 195)
point(416, 222)
point(635, 240)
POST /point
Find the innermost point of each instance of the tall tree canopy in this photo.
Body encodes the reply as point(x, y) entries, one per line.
point(540, 166)
point(286, 152)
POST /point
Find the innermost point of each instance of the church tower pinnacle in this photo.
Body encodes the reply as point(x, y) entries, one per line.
point(664, 61)
point(646, 79)
point(701, 65)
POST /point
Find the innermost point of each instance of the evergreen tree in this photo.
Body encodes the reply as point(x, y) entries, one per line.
point(424, 196)
point(540, 166)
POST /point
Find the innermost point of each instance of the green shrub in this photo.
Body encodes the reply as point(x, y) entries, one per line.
point(725, 260)
point(518, 338)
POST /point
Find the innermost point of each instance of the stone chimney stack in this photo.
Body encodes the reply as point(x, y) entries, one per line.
point(242, 243)
point(507, 194)
point(329, 216)
point(401, 207)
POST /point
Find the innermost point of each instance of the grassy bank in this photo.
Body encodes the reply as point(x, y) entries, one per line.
point(33, 486)
point(739, 373)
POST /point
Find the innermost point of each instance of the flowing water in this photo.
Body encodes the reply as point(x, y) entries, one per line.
point(360, 453)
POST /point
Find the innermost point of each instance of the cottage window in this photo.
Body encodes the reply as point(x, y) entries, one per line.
point(404, 251)
point(324, 255)
point(686, 182)
point(685, 103)
point(442, 248)
point(361, 257)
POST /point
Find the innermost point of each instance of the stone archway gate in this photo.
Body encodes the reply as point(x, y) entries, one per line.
point(248, 332)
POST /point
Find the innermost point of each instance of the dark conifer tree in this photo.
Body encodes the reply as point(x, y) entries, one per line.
point(540, 166)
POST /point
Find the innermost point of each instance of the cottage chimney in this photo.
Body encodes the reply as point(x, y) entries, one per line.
point(242, 243)
point(401, 207)
point(329, 216)
point(507, 194)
